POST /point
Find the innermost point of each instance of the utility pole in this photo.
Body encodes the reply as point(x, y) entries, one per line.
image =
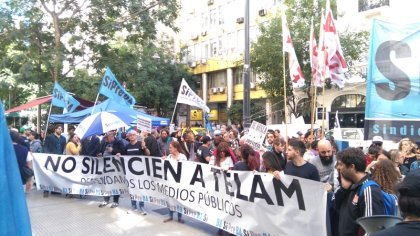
point(247, 70)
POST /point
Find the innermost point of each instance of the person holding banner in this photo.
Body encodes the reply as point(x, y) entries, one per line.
point(297, 166)
point(111, 146)
point(135, 147)
point(249, 161)
point(54, 144)
point(73, 146)
point(223, 157)
point(175, 154)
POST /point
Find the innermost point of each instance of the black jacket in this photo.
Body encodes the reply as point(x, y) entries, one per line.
point(91, 146)
point(117, 147)
point(350, 206)
point(153, 146)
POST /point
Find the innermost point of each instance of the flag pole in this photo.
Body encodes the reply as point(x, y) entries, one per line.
point(94, 105)
point(48, 121)
point(172, 118)
point(284, 91)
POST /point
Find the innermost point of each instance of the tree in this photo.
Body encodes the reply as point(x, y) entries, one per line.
point(69, 34)
point(267, 59)
point(235, 113)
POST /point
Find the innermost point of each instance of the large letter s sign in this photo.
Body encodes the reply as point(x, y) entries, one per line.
point(390, 71)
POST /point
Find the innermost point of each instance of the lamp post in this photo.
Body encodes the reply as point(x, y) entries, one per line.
point(247, 68)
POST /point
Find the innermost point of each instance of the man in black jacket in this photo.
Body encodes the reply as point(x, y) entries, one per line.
point(351, 166)
point(110, 146)
point(152, 144)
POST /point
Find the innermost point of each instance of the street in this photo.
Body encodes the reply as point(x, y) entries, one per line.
point(57, 215)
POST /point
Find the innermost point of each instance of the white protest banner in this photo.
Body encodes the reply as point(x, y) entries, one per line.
point(187, 96)
point(256, 134)
point(144, 124)
point(239, 202)
point(99, 176)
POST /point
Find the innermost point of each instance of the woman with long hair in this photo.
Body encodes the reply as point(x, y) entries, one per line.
point(408, 151)
point(248, 162)
point(223, 157)
point(386, 175)
point(175, 153)
point(73, 146)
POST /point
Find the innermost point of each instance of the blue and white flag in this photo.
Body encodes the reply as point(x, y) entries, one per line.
point(14, 217)
point(60, 98)
point(111, 88)
point(208, 123)
point(393, 83)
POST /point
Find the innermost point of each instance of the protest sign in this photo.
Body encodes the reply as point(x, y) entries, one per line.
point(85, 175)
point(144, 124)
point(239, 202)
point(256, 134)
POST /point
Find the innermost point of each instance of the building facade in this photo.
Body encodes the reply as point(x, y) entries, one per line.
point(212, 32)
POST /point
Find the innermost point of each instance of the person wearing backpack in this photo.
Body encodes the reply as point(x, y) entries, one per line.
point(386, 176)
point(409, 202)
point(347, 201)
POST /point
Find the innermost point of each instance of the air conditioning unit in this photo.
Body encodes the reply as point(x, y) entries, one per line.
point(253, 86)
point(262, 12)
point(204, 33)
point(203, 61)
point(194, 37)
point(240, 20)
point(221, 89)
point(214, 90)
point(193, 64)
point(210, 2)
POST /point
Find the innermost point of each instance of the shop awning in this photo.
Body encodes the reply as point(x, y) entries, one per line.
point(41, 100)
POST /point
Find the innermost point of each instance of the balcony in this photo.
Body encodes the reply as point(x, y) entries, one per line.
point(365, 5)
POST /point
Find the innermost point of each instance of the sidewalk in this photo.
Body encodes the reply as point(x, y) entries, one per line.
point(57, 215)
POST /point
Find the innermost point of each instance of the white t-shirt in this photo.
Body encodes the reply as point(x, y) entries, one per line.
point(181, 157)
point(225, 165)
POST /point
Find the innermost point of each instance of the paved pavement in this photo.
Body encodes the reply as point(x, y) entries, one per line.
point(57, 215)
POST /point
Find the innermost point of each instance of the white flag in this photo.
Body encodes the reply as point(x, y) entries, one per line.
point(296, 74)
point(335, 57)
point(337, 121)
point(313, 56)
point(187, 96)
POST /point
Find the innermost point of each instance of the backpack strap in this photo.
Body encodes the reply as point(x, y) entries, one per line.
point(365, 185)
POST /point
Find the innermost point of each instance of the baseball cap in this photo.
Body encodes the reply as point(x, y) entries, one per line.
point(217, 132)
point(377, 139)
point(410, 186)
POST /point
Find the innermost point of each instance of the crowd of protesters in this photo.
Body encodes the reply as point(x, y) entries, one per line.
point(355, 181)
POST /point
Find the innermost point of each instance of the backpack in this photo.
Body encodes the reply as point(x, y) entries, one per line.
point(390, 200)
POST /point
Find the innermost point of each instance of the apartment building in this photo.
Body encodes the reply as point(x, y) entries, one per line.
point(212, 31)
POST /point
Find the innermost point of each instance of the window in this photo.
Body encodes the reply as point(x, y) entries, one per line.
point(238, 75)
point(231, 42)
point(221, 38)
point(205, 50)
point(213, 47)
point(365, 5)
point(349, 101)
point(213, 17)
point(217, 79)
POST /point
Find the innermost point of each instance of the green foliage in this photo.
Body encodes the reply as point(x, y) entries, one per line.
point(235, 112)
point(266, 53)
point(89, 36)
